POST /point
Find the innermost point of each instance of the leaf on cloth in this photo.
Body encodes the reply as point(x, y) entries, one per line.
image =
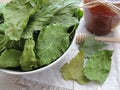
point(28, 59)
point(8, 58)
point(91, 46)
point(98, 66)
point(74, 70)
point(52, 43)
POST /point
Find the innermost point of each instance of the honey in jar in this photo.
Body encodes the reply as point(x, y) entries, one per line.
point(100, 19)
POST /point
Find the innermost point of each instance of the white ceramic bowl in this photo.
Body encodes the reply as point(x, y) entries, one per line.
point(43, 68)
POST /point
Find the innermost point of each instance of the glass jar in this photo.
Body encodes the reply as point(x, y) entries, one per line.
point(100, 19)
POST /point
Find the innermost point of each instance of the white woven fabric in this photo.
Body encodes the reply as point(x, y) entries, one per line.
point(51, 79)
point(13, 82)
point(4, 0)
point(53, 76)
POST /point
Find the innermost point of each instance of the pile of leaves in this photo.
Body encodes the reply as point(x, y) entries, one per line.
point(34, 33)
point(92, 63)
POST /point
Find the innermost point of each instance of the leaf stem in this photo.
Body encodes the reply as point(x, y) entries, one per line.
point(73, 29)
point(73, 85)
point(97, 85)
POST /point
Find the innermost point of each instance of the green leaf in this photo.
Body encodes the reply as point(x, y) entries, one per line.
point(90, 46)
point(2, 5)
point(65, 14)
point(28, 59)
point(3, 42)
point(40, 20)
point(74, 70)
point(52, 43)
point(65, 20)
point(18, 45)
point(98, 66)
point(16, 15)
point(58, 12)
point(10, 58)
point(2, 28)
point(78, 13)
point(39, 3)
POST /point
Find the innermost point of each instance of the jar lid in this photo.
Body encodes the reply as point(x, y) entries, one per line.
point(112, 0)
point(112, 4)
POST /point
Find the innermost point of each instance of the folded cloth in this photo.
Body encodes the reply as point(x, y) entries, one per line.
point(52, 76)
point(9, 82)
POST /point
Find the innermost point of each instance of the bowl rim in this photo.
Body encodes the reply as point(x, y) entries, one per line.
point(45, 67)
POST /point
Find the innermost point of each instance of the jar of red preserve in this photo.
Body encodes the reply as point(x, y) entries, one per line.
point(100, 19)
